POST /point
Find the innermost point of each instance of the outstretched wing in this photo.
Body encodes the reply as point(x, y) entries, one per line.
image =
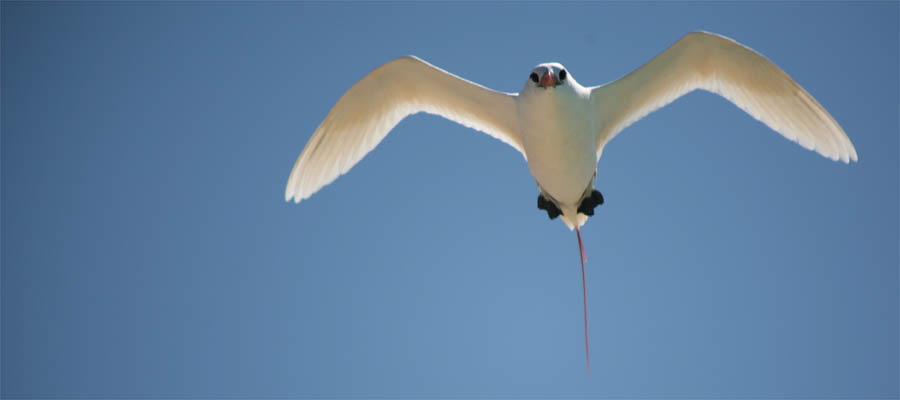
point(373, 106)
point(702, 60)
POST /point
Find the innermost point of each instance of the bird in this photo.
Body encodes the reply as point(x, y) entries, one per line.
point(559, 126)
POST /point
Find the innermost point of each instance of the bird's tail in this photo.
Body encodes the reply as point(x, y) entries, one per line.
point(576, 220)
point(587, 351)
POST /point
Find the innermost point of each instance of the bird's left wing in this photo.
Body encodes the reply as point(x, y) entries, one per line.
point(373, 106)
point(702, 60)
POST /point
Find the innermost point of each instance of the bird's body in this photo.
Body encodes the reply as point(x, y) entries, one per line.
point(559, 126)
point(559, 139)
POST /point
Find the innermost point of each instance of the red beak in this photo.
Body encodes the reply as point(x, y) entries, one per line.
point(548, 80)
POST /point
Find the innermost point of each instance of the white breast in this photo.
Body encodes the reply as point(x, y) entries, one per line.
point(558, 135)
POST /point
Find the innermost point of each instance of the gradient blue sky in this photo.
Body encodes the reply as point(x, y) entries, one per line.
point(147, 250)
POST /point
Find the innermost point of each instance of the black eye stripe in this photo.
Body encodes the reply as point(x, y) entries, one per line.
point(562, 74)
point(534, 77)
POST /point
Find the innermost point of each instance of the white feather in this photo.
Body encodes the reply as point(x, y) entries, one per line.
point(702, 60)
point(559, 126)
point(373, 106)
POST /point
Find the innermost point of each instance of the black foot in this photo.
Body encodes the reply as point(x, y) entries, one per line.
point(588, 204)
point(552, 210)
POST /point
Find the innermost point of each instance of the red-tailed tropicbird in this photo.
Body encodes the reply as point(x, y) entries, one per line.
point(559, 126)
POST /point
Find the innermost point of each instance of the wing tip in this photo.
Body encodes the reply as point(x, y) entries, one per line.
point(848, 154)
point(293, 192)
point(293, 197)
point(845, 156)
point(290, 189)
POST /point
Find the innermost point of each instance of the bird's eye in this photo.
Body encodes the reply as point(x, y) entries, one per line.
point(562, 75)
point(534, 77)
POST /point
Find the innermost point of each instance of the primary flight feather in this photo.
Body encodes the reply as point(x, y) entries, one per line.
point(559, 126)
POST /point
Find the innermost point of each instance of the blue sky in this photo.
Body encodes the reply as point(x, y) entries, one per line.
point(147, 250)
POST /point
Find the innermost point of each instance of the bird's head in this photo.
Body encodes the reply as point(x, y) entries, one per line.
point(548, 75)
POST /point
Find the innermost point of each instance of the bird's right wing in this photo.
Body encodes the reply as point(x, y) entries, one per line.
point(373, 106)
point(707, 61)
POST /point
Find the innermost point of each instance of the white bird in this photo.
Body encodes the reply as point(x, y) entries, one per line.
point(559, 126)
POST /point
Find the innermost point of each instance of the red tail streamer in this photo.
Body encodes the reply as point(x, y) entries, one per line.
point(587, 351)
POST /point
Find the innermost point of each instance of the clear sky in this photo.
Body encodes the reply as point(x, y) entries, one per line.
point(147, 250)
